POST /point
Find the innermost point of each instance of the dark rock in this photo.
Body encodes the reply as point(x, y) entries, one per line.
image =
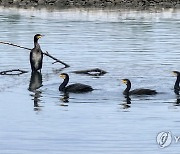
point(91, 72)
point(6, 2)
point(42, 2)
point(62, 3)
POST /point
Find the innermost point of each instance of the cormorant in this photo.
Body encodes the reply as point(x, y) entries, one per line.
point(36, 55)
point(75, 88)
point(176, 85)
point(136, 91)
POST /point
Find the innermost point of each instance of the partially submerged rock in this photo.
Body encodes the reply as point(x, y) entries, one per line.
point(13, 72)
point(91, 72)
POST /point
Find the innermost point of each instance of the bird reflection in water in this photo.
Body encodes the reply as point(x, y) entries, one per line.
point(176, 85)
point(34, 85)
point(64, 99)
point(177, 88)
point(177, 102)
point(127, 102)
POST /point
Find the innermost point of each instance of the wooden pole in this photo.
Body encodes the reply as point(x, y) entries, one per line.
point(45, 53)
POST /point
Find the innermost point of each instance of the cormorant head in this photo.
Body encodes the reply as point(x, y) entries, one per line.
point(37, 36)
point(64, 75)
point(176, 73)
point(125, 81)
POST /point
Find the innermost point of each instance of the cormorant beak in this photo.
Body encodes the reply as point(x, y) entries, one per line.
point(174, 73)
point(40, 36)
point(62, 76)
point(124, 81)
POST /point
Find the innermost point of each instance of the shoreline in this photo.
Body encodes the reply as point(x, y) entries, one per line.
point(89, 4)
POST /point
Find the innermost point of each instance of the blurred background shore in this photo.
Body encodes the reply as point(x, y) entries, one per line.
point(62, 4)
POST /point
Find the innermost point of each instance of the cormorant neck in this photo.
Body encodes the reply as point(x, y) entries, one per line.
point(176, 85)
point(36, 44)
point(126, 91)
point(63, 85)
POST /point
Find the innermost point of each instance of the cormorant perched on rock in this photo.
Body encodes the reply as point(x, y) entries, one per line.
point(36, 55)
point(74, 88)
point(136, 91)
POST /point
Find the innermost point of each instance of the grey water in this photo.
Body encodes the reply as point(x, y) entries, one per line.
point(142, 46)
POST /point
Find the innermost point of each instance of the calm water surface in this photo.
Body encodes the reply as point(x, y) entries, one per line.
point(141, 46)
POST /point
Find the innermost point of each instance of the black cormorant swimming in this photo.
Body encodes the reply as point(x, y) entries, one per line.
point(176, 85)
point(74, 88)
point(36, 55)
point(136, 91)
